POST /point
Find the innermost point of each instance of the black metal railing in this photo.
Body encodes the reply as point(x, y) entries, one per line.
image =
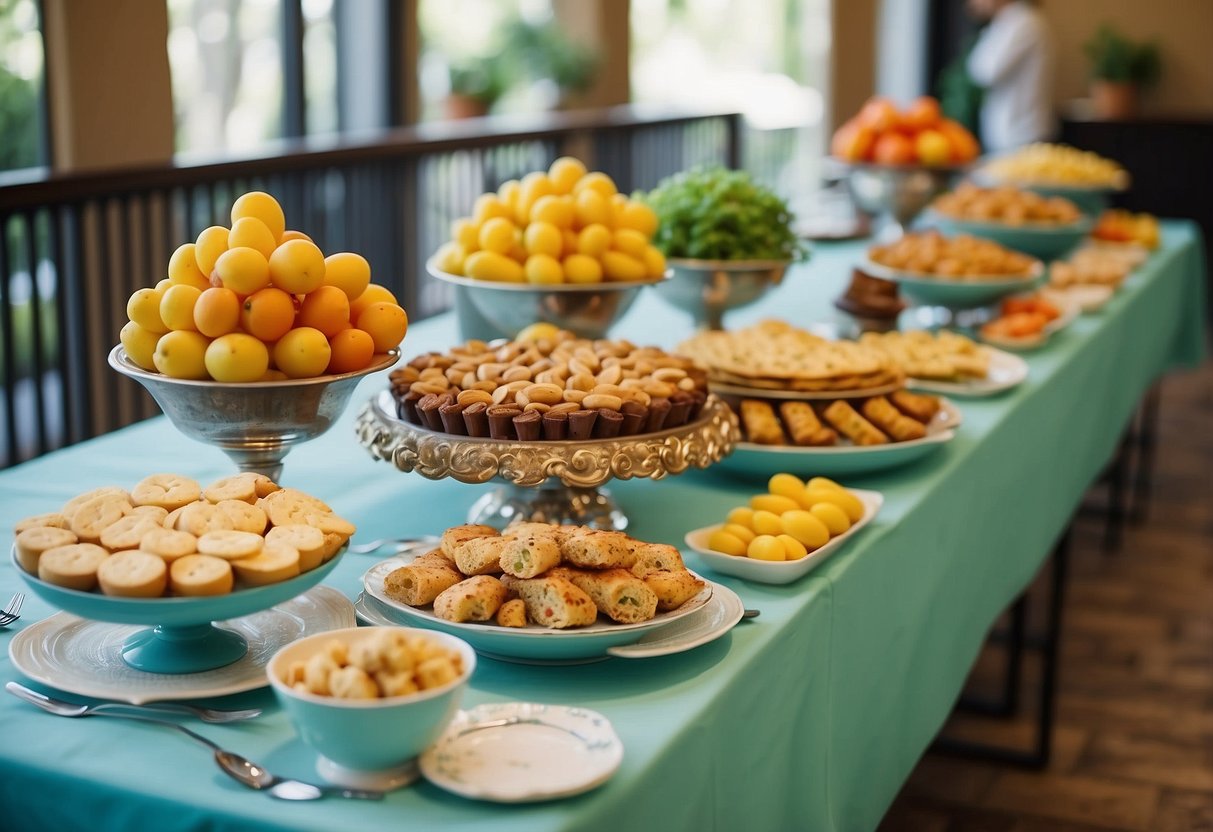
point(74, 247)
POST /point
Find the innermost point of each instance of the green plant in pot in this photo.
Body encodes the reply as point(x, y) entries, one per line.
point(475, 87)
point(1120, 69)
point(726, 238)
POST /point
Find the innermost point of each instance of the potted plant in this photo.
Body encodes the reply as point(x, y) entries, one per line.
point(727, 240)
point(475, 87)
point(1120, 68)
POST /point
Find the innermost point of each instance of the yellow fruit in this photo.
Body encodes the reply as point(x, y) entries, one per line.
point(508, 194)
point(543, 238)
point(569, 236)
point(291, 234)
point(489, 265)
point(347, 271)
point(593, 240)
point(386, 323)
point(793, 548)
point(466, 233)
point(786, 485)
point(639, 217)
point(538, 332)
point(449, 258)
point(177, 307)
point(517, 251)
point(766, 547)
point(533, 187)
point(326, 309)
point(590, 207)
point(217, 312)
point(742, 516)
point(806, 528)
point(767, 522)
point(565, 173)
point(211, 243)
point(183, 268)
point(557, 210)
point(488, 206)
point(823, 482)
point(654, 262)
point(630, 242)
point(845, 500)
point(835, 519)
point(498, 235)
point(143, 308)
point(261, 206)
point(743, 533)
point(596, 181)
point(773, 503)
point(581, 268)
point(373, 294)
point(243, 270)
point(237, 357)
point(543, 269)
point(619, 266)
point(352, 350)
point(251, 232)
point(162, 285)
point(274, 375)
point(297, 266)
point(181, 354)
point(302, 353)
point(615, 206)
point(140, 344)
point(722, 541)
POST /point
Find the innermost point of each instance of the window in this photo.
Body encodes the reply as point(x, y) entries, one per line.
point(22, 142)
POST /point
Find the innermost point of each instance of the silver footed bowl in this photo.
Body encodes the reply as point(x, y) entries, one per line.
point(708, 288)
point(899, 192)
point(255, 423)
point(488, 310)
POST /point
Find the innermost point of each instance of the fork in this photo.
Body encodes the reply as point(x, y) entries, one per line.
point(13, 611)
point(402, 544)
point(74, 709)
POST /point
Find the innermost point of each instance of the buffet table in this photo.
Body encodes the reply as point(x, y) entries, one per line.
point(809, 717)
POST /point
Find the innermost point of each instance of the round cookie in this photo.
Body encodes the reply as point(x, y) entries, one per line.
point(73, 566)
point(126, 532)
point(240, 487)
point(169, 491)
point(275, 563)
point(157, 514)
point(200, 518)
point(230, 544)
point(94, 516)
point(332, 524)
point(308, 540)
point(243, 516)
point(31, 543)
point(168, 544)
point(69, 508)
point(195, 575)
point(53, 520)
point(133, 574)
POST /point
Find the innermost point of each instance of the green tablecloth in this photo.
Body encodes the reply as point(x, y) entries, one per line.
point(809, 717)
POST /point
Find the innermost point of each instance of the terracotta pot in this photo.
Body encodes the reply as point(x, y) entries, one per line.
point(464, 106)
point(1114, 100)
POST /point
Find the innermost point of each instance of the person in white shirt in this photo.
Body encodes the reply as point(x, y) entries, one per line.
point(1012, 60)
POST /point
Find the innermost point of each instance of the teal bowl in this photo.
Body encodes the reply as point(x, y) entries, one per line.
point(368, 743)
point(967, 292)
point(181, 637)
point(1043, 240)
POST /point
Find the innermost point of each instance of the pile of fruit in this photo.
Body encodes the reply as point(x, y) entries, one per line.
point(1057, 164)
point(918, 135)
point(789, 521)
point(1022, 317)
point(1119, 226)
point(259, 302)
point(565, 225)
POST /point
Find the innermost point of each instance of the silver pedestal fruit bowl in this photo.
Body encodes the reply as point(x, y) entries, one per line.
point(488, 309)
point(708, 288)
point(255, 423)
point(899, 192)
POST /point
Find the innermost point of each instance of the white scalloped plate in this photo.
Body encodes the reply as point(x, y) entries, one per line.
point(1006, 370)
point(85, 657)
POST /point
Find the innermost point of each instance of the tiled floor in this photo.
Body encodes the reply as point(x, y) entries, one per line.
point(1133, 748)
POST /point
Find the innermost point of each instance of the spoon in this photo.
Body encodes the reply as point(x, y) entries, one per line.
point(238, 768)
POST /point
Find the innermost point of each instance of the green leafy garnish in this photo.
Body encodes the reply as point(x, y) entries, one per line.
point(719, 214)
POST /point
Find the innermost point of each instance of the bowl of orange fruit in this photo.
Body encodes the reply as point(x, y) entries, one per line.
point(898, 160)
point(561, 246)
point(256, 340)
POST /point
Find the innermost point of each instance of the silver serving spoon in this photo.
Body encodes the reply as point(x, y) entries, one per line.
point(238, 768)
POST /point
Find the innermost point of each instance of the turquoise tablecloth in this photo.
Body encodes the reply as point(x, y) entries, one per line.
point(809, 717)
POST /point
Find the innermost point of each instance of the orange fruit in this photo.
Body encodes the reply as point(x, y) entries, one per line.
point(373, 294)
point(894, 149)
point(352, 349)
point(291, 234)
point(268, 314)
point(385, 322)
point(922, 114)
point(217, 312)
point(326, 309)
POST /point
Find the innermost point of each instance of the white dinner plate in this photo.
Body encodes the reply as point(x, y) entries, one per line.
point(786, 571)
point(1006, 371)
point(522, 752)
point(85, 657)
point(726, 389)
point(532, 641)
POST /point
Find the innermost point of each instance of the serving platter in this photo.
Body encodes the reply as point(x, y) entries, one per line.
point(742, 391)
point(1006, 371)
point(532, 641)
point(780, 572)
point(1039, 239)
point(962, 292)
point(1069, 311)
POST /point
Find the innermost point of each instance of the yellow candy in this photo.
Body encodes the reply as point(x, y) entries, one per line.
point(794, 548)
point(787, 485)
point(565, 173)
point(806, 528)
point(580, 268)
point(742, 516)
point(619, 266)
point(742, 533)
point(449, 258)
point(489, 265)
point(845, 500)
point(543, 269)
point(466, 233)
point(488, 206)
point(654, 262)
point(767, 547)
point(823, 482)
point(498, 234)
point(725, 543)
point(767, 522)
point(834, 517)
point(773, 503)
point(630, 242)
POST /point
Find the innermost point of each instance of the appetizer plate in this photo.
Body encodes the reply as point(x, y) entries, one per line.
point(1088, 297)
point(531, 641)
point(85, 657)
point(726, 389)
point(762, 461)
point(521, 752)
point(1006, 371)
point(1039, 239)
point(1069, 311)
point(780, 572)
point(964, 292)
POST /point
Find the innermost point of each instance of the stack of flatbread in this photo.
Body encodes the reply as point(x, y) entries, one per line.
point(946, 356)
point(774, 355)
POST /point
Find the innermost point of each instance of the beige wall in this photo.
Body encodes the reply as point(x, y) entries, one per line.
point(1183, 28)
point(852, 58)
